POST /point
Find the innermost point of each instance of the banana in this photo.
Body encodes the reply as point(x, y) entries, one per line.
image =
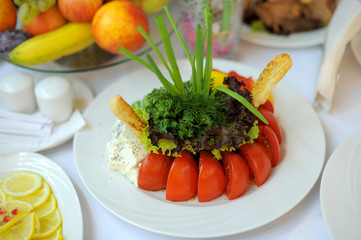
point(50, 46)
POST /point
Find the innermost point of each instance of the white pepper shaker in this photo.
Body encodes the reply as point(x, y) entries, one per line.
point(54, 97)
point(17, 90)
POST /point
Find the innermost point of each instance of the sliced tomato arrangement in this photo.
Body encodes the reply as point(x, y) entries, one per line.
point(268, 138)
point(273, 123)
point(211, 180)
point(182, 180)
point(237, 174)
point(267, 106)
point(204, 176)
point(258, 160)
point(153, 173)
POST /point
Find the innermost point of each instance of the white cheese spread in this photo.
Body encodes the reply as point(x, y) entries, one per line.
point(125, 152)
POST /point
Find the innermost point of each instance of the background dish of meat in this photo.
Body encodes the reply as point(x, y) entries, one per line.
point(289, 16)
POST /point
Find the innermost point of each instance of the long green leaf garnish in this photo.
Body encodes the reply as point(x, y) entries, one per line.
point(198, 55)
point(242, 100)
point(177, 79)
point(201, 75)
point(226, 15)
point(170, 87)
point(154, 46)
point(177, 33)
point(134, 57)
point(208, 67)
point(190, 59)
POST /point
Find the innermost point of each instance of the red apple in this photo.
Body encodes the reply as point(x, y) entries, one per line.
point(115, 24)
point(79, 10)
point(45, 22)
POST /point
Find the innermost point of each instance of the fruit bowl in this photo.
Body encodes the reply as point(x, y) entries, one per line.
point(95, 58)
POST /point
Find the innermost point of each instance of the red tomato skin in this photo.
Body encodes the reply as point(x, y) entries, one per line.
point(182, 180)
point(273, 123)
point(237, 174)
point(248, 81)
point(153, 172)
point(259, 161)
point(268, 106)
point(211, 179)
point(269, 140)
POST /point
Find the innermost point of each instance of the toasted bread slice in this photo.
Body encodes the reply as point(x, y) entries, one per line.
point(271, 75)
point(122, 110)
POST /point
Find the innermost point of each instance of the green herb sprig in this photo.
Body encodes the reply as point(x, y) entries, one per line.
point(201, 73)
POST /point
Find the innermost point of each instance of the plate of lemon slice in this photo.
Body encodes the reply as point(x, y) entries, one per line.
point(37, 199)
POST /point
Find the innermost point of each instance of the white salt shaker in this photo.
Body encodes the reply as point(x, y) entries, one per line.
point(55, 98)
point(17, 90)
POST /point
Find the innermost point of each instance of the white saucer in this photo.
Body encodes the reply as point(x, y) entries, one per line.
point(340, 192)
point(64, 131)
point(62, 187)
point(293, 40)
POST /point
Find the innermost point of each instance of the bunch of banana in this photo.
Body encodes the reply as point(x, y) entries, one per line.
point(50, 46)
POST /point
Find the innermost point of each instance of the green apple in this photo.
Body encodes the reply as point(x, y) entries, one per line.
point(151, 6)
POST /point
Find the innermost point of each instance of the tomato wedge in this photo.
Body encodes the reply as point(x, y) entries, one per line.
point(211, 179)
point(268, 106)
point(153, 172)
point(183, 178)
point(273, 123)
point(247, 81)
point(259, 161)
point(268, 139)
point(237, 174)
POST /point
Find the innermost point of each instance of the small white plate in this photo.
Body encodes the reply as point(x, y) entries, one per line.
point(59, 182)
point(293, 40)
point(340, 192)
point(356, 46)
point(302, 158)
point(64, 131)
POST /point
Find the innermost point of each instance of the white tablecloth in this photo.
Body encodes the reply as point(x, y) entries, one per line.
point(305, 221)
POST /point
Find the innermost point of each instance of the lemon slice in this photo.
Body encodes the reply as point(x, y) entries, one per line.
point(22, 227)
point(16, 204)
point(54, 236)
point(2, 196)
point(49, 224)
point(37, 198)
point(21, 183)
point(11, 222)
point(46, 208)
point(37, 224)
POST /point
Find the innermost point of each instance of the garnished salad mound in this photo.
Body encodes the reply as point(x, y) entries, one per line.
point(207, 135)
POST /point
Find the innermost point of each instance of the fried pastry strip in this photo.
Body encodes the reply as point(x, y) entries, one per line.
point(271, 75)
point(122, 110)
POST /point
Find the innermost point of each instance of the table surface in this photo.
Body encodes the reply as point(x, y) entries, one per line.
point(305, 221)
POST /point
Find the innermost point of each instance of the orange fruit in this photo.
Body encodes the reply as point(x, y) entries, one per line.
point(45, 22)
point(7, 15)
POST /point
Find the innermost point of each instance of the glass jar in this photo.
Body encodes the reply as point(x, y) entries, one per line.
point(225, 28)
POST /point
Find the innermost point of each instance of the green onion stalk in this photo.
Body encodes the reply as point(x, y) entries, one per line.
point(201, 72)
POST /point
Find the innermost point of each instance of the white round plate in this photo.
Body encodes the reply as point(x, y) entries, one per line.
point(356, 46)
point(64, 131)
point(340, 192)
point(293, 40)
point(59, 182)
point(303, 152)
